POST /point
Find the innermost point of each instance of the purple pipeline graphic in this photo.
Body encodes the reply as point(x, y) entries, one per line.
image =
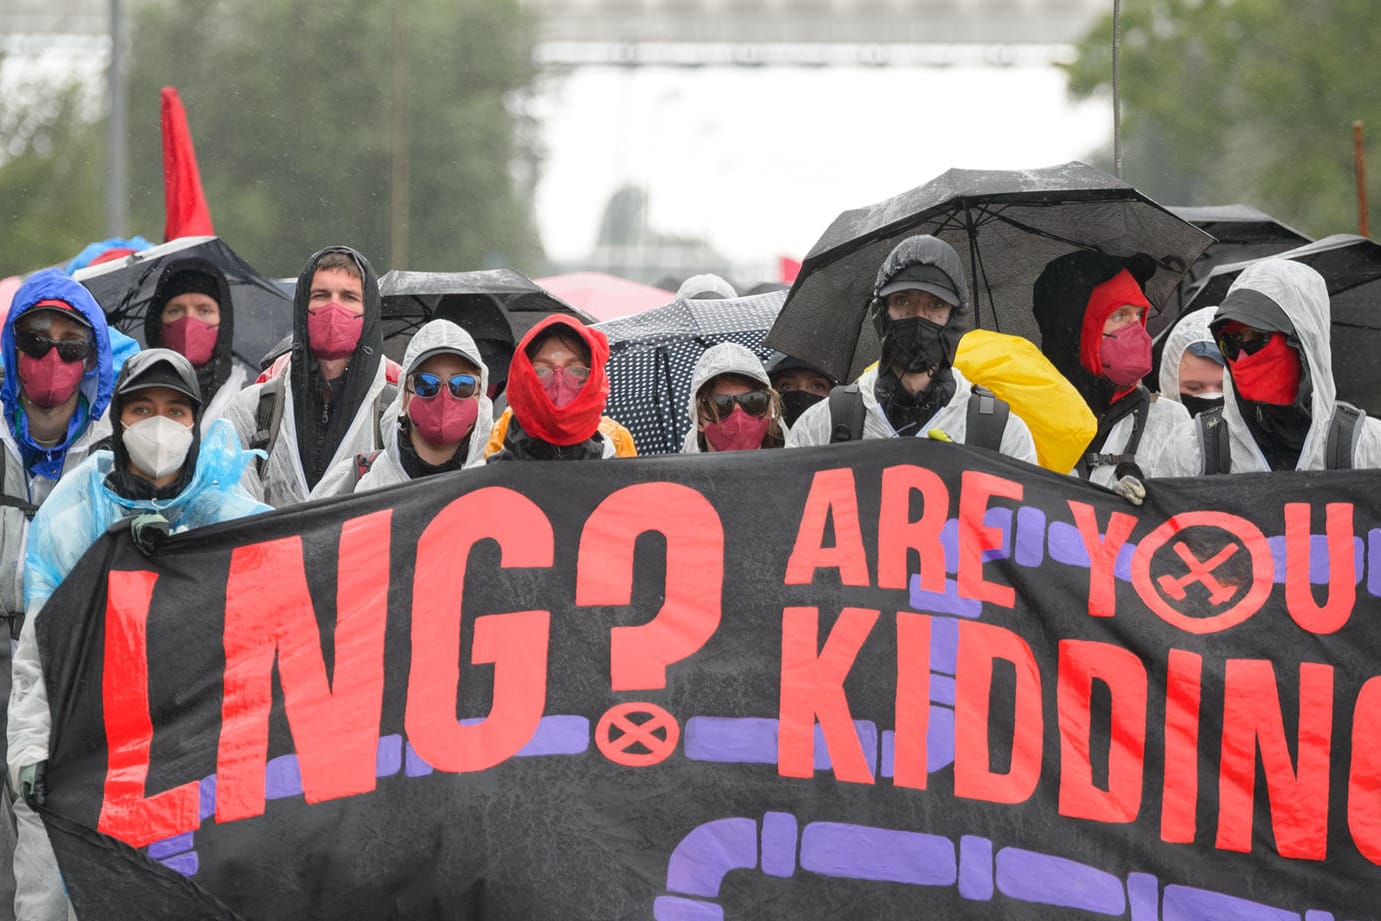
point(779, 847)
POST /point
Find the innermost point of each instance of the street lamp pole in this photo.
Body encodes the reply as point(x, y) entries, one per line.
point(117, 173)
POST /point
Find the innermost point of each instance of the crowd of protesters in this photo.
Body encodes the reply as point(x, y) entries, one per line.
point(170, 438)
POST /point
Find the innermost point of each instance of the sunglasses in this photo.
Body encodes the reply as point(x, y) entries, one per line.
point(69, 350)
point(1234, 343)
point(754, 403)
point(427, 385)
point(577, 373)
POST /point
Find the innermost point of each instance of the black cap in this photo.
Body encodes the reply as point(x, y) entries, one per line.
point(922, 277)
point(159, 368)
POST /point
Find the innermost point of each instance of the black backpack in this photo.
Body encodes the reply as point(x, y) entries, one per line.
point(1344, 429)
point(985, 422)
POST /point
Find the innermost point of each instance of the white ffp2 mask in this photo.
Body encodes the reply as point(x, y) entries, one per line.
point(158, 445)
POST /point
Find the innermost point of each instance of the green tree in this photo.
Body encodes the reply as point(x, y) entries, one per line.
point(50, 174)
point(1246, 101)
point(290, 104)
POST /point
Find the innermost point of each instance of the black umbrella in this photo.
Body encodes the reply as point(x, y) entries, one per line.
point(1006, 226)
point(1240, 233)
point(1351, 266)
point(652, 354)
point(493, 304)
point(124, 287)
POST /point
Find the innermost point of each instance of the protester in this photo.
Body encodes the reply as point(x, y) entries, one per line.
point(1280, 406)
point(1091, 310)
point(705, 287)
point(58, 376)
point(192, 313)
point(439, 421)
point(324, 406)
point(557, 388)
point(160, 475)
point(799, 385)
point(1191, 367)
point(732, 404)
point(919, 305)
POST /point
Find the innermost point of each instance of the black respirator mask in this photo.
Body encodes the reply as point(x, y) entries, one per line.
point(915, 344)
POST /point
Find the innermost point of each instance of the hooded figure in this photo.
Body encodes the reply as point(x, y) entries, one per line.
point(155, 389)
point(799, 385)
point(752, 414)
point(1279, 399)
point(328, 400)
point(707, 286)
point(557, 388)
point(913, 347)
point(399, 462)
point(1191, 367)
point(1091, 310)
point(206, 339)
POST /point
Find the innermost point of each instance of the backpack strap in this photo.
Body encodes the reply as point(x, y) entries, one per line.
point(363, 462)
point(26, 507)
point(846, 414)
point(268, 418)
point(1343, 431)
point(1127, 457)
point(1213, 440)
point(986, 420)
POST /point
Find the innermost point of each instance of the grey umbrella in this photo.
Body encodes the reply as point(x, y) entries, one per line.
point(652, 354)
point(1351, 266)
point(1006, 226)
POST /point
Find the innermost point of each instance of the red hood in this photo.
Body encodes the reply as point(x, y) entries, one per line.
point(575, 422)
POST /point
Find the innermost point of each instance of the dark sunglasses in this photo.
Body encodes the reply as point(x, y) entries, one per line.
point(1234, 343)
point(427, 385)
point(754, 403)
point(69, 350)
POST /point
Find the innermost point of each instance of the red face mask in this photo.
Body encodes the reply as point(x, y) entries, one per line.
point(443, 420)
point(1271, 375)
point(49, 381)
point(333, 332)
point(562, 386)
point(1126, 355)
point(739, 431)
point(191, 337)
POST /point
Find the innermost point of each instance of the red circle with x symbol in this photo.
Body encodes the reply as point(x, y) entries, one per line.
point(618, 732)
point(1153, 591)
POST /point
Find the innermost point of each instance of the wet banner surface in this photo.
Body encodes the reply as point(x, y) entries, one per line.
point(886, 680)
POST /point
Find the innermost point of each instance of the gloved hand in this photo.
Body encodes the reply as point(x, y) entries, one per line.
point(1131, 488)
point(31, 783)
point(148, 529)
point(940, 435)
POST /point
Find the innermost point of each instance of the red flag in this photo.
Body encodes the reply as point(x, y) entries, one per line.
point(184, 202)
point(790, 268)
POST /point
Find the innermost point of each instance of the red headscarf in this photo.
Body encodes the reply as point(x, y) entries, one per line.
point(1103, 301)
point(578, 420)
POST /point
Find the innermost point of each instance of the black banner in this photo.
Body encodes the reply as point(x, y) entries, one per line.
point(898, 679)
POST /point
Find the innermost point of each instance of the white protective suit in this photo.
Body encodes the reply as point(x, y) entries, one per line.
point(721, 358)
point(1162, 440)
point(1303, 295)
point(387, 468)
point(1189, 330)
point(815, 426)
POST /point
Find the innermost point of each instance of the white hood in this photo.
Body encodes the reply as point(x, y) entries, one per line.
point(723, 358)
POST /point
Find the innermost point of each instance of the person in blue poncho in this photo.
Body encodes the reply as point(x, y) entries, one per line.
point(161, 475)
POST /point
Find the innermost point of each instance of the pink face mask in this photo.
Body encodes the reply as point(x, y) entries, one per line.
point(562, 386)
point(738, 432)
point(49, 381)
point(191, 337)
point(333, 332)
point(1126, 355)
point(443, 420)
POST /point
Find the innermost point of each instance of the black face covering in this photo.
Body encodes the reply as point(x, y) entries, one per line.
point(916, 344)
point(907, 411)
point(1196, 405)
point(795, 402)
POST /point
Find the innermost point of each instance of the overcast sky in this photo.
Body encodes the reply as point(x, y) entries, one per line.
point(760, 160)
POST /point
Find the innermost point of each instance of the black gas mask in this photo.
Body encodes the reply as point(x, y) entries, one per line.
point(915, 344)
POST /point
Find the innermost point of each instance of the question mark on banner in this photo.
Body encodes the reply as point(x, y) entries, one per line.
point(690, 612)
